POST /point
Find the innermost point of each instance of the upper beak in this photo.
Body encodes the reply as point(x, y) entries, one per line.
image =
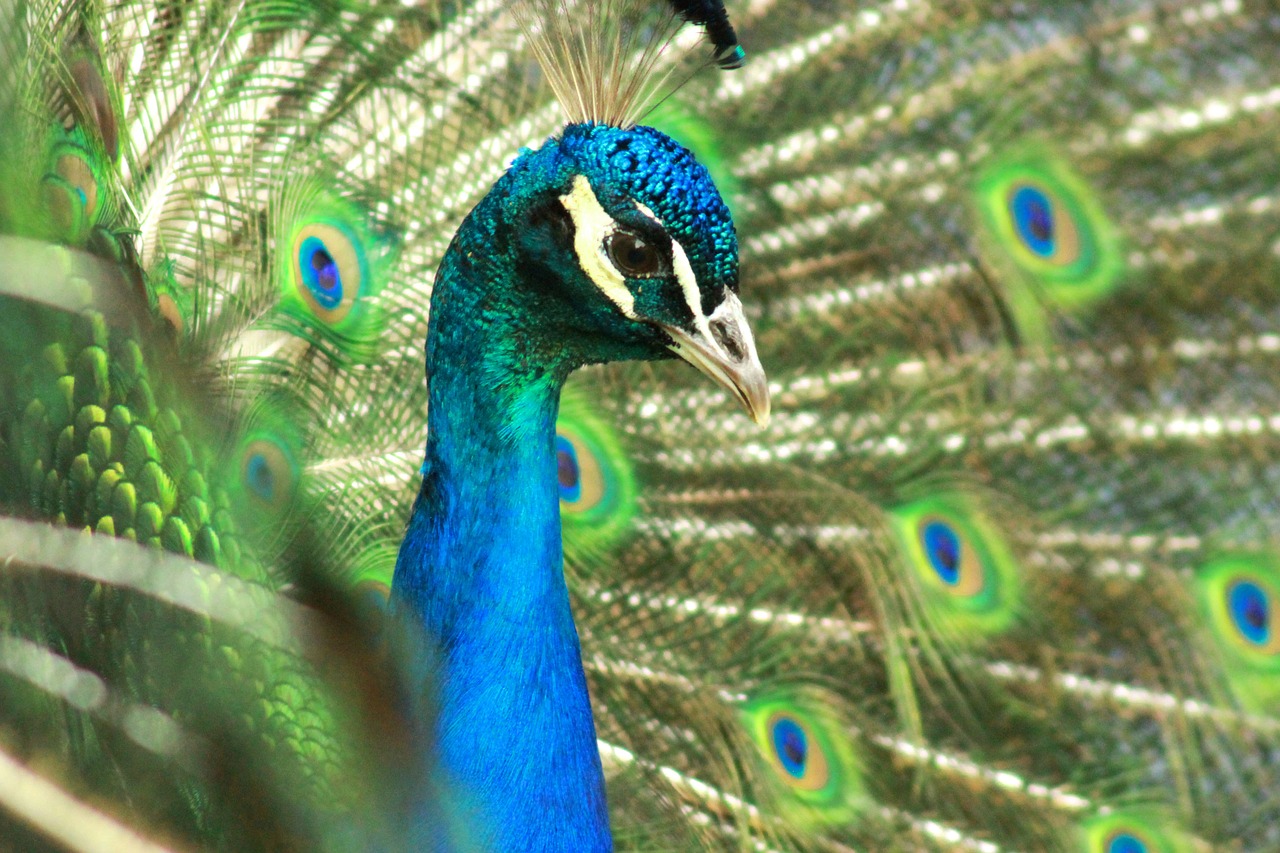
point(722, 347)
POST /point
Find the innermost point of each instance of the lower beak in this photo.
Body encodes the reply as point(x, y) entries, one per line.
point(724, 350)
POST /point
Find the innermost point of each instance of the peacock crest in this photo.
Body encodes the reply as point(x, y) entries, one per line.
point(611, 62)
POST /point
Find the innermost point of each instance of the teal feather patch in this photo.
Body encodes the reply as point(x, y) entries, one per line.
point(702, 138)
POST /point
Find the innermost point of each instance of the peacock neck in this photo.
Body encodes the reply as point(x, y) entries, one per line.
point(482, 568)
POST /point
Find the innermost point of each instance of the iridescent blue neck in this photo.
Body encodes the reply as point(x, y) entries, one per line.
point(481, 566)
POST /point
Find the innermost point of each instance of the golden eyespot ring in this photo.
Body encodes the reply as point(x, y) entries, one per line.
point(796, 753)
point(1045, 227)
point(328, 270)
point(268, 474)
point(953, 560)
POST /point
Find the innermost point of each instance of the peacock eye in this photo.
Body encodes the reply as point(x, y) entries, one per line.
point(632, 256)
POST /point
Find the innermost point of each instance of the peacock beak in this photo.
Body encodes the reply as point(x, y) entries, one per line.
point(721, 346)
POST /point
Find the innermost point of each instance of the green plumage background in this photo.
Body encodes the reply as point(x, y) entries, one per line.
point(978, 570)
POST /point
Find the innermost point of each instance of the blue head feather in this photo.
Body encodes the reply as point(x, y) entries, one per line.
point(514, 229)
point(650, 167)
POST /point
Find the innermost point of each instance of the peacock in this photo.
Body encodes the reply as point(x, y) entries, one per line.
point(990, 562)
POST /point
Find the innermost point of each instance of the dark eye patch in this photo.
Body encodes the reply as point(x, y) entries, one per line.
point(555, 218)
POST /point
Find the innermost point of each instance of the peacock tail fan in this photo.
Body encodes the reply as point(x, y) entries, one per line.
point(998, 575)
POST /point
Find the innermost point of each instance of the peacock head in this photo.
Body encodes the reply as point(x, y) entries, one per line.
point(623, 249)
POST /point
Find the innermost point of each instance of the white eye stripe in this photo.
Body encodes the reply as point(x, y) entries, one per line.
point(591, 226)
point(649, 213)
point(684, 277)
point(689, 286)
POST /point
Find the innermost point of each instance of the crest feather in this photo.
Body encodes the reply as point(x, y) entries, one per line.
point(610, 61)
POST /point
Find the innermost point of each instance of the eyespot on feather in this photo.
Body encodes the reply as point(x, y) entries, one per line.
point(595, 480)
point(328, 270)
point(267, 468)
point(810, 762)
point(72, 192)
point(174, 304)
point(333, 261)
point(1043, 225)
point(268, 473)
point(1132, 831)
point(797, 752)
point(1239, 604)
point(569, 471)
point(73, 167)
point(968, 578)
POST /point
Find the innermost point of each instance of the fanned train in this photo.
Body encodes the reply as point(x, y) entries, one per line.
point(1001, 572)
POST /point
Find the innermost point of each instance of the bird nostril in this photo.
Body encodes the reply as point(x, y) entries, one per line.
point(726, 335)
